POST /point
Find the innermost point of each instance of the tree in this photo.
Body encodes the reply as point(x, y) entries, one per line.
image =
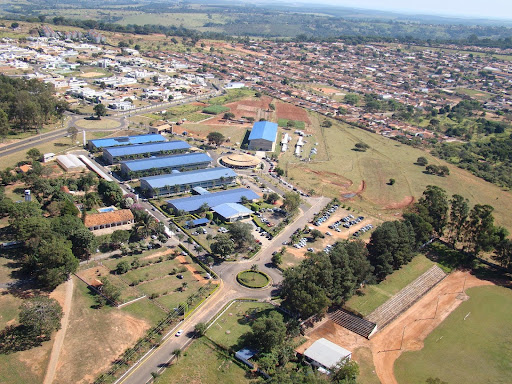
point(279, 171)
point(346, 372)
point(503, 253)
point(4, 123)
point(481, 234)
point(327, 123)
point(392, 181)
point(422, 161)
point(268, 331)
point(123, 267)
point(362, 147)
point(177, 353)
point(72, 132)
point(40, 316)
point(200, 328)
point(228, 116)
point(435, 204)
point(271, 107)
point(315, 234)
point(15, 25)
point(119, 237)
point(351, 98)
point(34, 154)
point(109, 290)
point(272, 197)
point(391, 246)
point(422, 228)
point(291, 202)
point(241, 234)
point(459, 211)
point(216, 138)
point(277, 259)
point(223, 246)
point(100, 110)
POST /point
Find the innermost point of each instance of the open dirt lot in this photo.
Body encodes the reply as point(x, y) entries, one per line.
point(419, 322)
point(94, 338)
point(291, 112)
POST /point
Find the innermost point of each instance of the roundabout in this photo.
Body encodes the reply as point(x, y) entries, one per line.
point(253, 279)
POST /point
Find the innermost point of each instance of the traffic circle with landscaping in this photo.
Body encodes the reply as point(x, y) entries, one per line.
point(253, 279)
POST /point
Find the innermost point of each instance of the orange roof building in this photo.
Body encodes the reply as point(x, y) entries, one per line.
point(103, 220)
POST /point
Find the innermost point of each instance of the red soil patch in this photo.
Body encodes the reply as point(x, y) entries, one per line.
point(331, 178)
point(406, 201)
point(194, 271)
point(291, 112)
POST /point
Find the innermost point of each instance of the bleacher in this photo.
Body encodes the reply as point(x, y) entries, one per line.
point(400, 302)
point(353, 323)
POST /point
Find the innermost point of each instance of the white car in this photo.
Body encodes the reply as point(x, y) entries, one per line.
point(179, 333)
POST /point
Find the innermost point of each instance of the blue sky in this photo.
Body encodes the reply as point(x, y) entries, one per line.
point(501, 9)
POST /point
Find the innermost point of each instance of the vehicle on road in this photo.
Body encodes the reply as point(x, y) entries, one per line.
point(179, 333)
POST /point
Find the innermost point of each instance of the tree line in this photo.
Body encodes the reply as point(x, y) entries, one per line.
point(330, 279)
point(27, 104)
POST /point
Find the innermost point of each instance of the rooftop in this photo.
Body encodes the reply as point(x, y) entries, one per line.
point(228, 210)
point(326, 353)
point(183, 178)
point(119, 216)
point(147, 148)
point(126, 140)
point(265, 130)
point(167, 161)
point(193, 203)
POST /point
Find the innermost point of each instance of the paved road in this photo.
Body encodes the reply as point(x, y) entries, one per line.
point(229, 290)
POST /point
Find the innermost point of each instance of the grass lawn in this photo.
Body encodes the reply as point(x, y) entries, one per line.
point(375, 295)
point(227, 329)
point(152, 271)
point(253, 279)
point(197, 116)
point(203, 363)
point(473, 349)
point(235, 132)
point(345, 170)
point(296, 123)
point(146, 310)
point(363, 357)
point(232, 95)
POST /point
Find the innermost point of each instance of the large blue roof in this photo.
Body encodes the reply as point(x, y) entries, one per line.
point(184, 178)
point(167, 161)
point(264, 130)
point(127, 140)
point(147, 148)
point(228, 210)
point(193, 203)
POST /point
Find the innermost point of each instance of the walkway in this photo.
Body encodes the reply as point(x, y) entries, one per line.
point(61, 334)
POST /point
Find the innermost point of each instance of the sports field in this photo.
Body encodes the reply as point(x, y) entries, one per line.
point(472, 345)
point(363, 177)
point(376, 295)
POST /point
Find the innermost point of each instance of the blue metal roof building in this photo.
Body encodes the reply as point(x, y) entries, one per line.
point(114, 154)
point(263, 136)
point(197, 222)
point(164, 164)
point(232, 211)
point(183, 181)
point(124, 140)
point(193, 203)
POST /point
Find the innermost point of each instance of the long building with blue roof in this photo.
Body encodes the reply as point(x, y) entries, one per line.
point(184, 181)
point(193, 203)
point(113, 155)
point(164, 164)
point(263, 136)
point(124, 140)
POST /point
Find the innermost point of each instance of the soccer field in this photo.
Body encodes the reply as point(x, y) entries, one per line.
point(473, 345)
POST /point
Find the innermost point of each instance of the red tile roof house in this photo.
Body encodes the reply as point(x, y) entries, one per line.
point(104, 220)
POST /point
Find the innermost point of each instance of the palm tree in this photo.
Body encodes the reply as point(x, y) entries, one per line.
point(177, 353)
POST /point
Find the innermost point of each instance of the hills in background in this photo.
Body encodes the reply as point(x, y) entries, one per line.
point(263, 18)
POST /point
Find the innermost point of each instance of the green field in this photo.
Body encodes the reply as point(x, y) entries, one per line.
point(363, 357)
point(215, 109)
point(227, 329)
point(145, 309)
point(344, 170)
point(296, 123)
point(375, 295)
point(231, 95)
point(471, 351)
point(203, 363)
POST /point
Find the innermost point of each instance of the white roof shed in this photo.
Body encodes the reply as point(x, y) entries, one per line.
point(326, 354)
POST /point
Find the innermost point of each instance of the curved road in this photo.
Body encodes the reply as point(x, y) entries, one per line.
point(158, 358)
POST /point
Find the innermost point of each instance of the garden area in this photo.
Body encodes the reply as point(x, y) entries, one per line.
point(253, 279)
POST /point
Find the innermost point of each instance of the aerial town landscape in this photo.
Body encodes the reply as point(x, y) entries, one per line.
point(202, 192)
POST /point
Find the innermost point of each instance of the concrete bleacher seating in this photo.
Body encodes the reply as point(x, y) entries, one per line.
point(392, 308)
point(353, 323)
